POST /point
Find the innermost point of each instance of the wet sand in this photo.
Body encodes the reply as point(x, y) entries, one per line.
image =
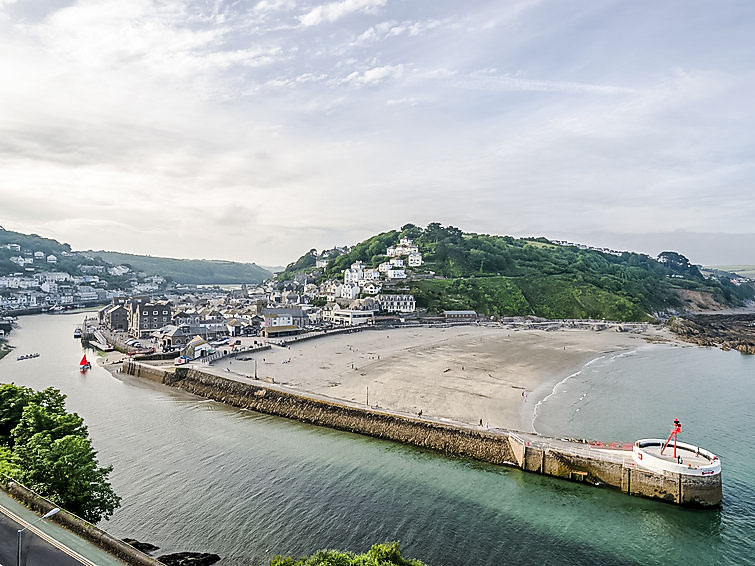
point(464, 373)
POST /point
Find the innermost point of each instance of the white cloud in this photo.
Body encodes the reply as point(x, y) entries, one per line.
point(334, 11)
point(375, 75)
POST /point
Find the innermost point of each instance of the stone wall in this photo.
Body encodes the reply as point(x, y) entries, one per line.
point(79, 526)
point(496, 447)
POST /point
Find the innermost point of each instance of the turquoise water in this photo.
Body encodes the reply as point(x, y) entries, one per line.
point(195, 475)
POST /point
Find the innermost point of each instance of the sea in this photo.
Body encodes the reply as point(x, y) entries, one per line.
point(195, 475)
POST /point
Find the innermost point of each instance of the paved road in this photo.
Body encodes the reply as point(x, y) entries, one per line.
point(35, 551)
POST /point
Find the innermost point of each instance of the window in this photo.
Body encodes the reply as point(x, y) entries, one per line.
point(145, 313)
point(165, 312)
point(155, 312)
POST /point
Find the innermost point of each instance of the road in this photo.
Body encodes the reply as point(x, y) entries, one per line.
point(35, 550)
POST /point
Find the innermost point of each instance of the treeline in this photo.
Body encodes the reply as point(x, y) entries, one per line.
point(48, 449)
point(189, 271)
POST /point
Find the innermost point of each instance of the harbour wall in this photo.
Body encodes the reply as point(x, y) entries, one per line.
point(573, 461)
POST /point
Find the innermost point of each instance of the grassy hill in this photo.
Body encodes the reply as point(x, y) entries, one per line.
point(502, 275)
point(190, 271)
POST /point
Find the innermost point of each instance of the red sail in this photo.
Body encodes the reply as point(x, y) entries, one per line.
point(84, 361)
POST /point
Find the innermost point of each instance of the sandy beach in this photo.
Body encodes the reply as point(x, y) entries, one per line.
point(464, 373)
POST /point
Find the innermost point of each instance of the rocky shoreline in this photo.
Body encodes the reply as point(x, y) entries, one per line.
point(176, 558)
point(725, 331)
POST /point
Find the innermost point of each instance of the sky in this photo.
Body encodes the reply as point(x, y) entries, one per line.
point(256, 130)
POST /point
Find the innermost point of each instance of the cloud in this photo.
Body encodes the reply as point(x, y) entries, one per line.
point(334, 11)
point(374, 75)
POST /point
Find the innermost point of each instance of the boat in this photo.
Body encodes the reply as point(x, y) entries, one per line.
point(77, 333)
point(27, 356)
point(84, 364)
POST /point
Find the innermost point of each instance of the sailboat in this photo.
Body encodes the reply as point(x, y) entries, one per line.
point(84, 364)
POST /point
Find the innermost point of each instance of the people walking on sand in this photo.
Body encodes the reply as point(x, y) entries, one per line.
point(420, 413)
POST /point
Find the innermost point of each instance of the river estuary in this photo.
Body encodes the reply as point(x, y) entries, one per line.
point(195, 475)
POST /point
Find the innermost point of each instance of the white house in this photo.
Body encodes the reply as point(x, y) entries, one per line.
point(396, 274)
point(384, 267)
point(321, 262)
point(352, 275)
point(415, 259)
point(397, 303)
point(371, 288)
point(397, 262)
point(349, 291)
point(39, 255)
point(371, 274)
point(52, 259)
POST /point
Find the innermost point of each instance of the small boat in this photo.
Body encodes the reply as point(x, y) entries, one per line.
point(77, 333)
point(27, 356)
point(84, 364)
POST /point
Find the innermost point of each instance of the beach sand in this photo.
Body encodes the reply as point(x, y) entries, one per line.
point(463, 373)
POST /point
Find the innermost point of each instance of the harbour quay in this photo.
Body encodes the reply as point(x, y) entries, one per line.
point(692, 477)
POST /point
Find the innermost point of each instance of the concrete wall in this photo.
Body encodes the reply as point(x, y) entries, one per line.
point(79, 526)
point(496, 447)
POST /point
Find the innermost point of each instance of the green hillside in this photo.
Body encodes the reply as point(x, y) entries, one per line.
point(502, 275)
point(190, 271)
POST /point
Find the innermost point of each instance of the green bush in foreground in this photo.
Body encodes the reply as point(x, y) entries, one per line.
point(49, 451)
point(386, 554)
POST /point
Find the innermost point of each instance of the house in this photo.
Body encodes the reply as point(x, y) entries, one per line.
point(396, 274)
point(145, 316)
point(397, 303)
point(114, 317)
point(349, 291)
point(372, 288)
point(197, 347)
point(284, 317)
point(415, 259)
point(52, 259)
point(39, 255)
point(384, 267)
point(397, 262)
point(352, 275)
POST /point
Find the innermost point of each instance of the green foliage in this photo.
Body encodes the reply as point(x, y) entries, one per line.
point(491, 295)
point(305, 262)
point(65, 470)
point(49, 450)
point(189, 271)
point(386, 554)
point(501, 275)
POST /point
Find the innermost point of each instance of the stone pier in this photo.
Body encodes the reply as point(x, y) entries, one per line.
point(575, 461)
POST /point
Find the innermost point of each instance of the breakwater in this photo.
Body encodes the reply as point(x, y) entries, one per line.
point(575, 461)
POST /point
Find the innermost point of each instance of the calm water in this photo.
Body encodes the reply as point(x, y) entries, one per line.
point(195, 475)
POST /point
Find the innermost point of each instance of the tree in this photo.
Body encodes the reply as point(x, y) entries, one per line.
point(65, 471)
point(386, 554)
point(49, 450)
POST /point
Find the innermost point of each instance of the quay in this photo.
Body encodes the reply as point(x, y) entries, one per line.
point(693, 478)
